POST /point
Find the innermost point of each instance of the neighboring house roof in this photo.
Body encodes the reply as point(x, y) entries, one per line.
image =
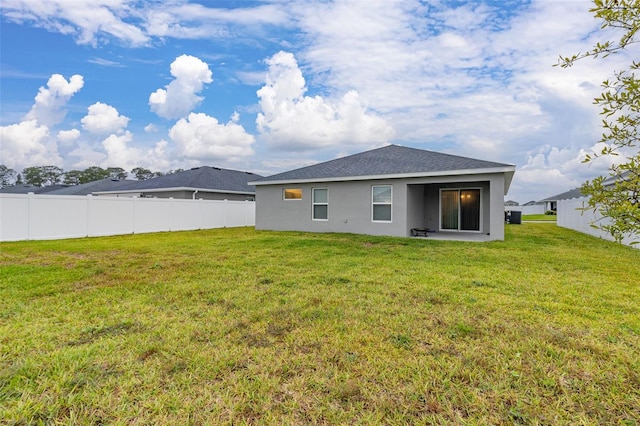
point(391, 161)
point(204, 179)
point(532, 203)
point(573, 193)
point(25, 189)
point(105, 184)
point(511, 203)
point(611, 180)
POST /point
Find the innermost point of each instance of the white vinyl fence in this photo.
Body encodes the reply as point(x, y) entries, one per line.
point(570, 217)
point(50, 217)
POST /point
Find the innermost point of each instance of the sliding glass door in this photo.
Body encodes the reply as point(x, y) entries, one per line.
point(460, 209)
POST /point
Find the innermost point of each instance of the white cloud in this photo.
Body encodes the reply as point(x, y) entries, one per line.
point(150, 128)
point(136, 23)
point(290, 120)
point(181, 95)
point(551, 170)
point(103, 118)
point(119, 153)
point(202, 137)
point(68, 137)
point(87, 22)
point(27, 144)
point(49, 101)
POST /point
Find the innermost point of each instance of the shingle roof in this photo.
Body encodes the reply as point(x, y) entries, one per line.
point(106, 184)
point(567, 195)
point(388, 160)
point(25, 189)
point(201, 178)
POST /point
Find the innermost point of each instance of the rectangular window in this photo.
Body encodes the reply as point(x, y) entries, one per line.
point(381, 199)
point(292, 194)
point(320, 203)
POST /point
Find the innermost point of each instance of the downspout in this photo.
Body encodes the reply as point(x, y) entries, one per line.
point(194, 194)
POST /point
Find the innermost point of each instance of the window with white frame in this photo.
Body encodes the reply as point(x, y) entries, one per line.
point(381, 201)
point(320, 201)
point(292, 194)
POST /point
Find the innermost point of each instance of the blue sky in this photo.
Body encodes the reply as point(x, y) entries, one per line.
point(271, 86)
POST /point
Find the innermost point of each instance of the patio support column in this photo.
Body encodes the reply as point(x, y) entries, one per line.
point(496, 190)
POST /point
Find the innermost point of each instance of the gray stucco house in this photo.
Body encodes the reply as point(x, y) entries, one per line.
point(393, 190)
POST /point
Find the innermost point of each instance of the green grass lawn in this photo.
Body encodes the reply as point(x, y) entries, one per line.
point(540, 217)
point(237, 326)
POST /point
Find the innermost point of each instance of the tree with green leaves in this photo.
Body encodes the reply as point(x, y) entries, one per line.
point(52, 175)
point(617, 196)
point(142, 174)
point(92, 174)
point(72, 177)
point(34, 176)
point(7, 176)
point(117, 173)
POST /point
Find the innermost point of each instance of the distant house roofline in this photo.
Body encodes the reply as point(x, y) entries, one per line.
point(180, 188)
point(390, 162)
point(507, 170)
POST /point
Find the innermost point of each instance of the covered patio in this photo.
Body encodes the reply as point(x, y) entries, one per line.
point(455, 236)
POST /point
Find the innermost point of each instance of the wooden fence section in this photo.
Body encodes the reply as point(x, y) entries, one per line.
point(50, 217)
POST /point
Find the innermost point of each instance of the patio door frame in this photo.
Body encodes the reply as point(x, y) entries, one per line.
point(460, 210)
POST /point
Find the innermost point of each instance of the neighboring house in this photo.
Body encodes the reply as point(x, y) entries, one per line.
point(388, 191)
point(106, 184)
point(25, 189)
point(208, 183)
point(551, 203)
point(534, 207)
point(511, 203)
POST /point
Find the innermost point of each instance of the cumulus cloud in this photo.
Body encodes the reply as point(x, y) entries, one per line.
point(28, 142)
point(88, 22)
point(150, 128)
point(48, 107)
point(551, 170)
point(68, 137)
point(25, 144)
point(202, 137)
point(103, 118)
point(119, 152)
point(291, 120)
point(180, 96)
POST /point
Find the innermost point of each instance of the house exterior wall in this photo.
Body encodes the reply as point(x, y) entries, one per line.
point(415, 203)
point(349, 209)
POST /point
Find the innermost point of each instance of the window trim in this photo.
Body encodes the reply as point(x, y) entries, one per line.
point(390, 204)
point(284, 190)
point(314, 203)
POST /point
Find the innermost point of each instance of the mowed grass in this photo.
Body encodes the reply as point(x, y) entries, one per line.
point(237, 326)
point(540, 217)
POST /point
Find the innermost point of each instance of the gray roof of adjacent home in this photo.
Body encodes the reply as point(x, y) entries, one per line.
point(204, 179)
point(577, 192)
point(106, 184)
point(25, 189)
point(386, 162)
point(567, 195)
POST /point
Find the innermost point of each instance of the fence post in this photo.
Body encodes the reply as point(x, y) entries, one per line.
point(88, 216)
point(30, 196)
point(133, 214)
